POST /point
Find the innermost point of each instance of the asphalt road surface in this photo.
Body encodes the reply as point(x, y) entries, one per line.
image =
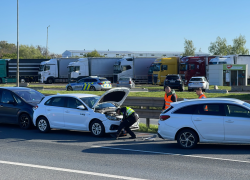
point(152, 121)
point(60, 154)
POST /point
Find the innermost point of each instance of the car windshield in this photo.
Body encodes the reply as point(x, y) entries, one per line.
point(151, 69)
point(157, 67)
point(71, 68)
point(105, 105)
point(90, 101)
point(124, 79)
point(183, 67)
point(172, 77)
point(196, 79)
point(41, 67)
point(212, 62)
point(30, 95)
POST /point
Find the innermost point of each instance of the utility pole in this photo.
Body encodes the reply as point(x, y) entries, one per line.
point(17, 61)
point(47, 41)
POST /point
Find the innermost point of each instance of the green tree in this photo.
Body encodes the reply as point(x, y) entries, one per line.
point(239, 46)
point(189, 49)
point(7, 48)
point(219, 47)
point(30, 52)
point(93, 54)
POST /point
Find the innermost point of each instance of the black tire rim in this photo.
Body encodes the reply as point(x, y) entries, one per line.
point(70, 88)
point(24, 121)
point(50, 81)
point(92, 88)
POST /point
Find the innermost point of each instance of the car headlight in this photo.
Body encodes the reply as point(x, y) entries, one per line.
point(113, 118)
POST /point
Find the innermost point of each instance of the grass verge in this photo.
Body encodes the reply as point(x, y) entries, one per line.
point(152, 129)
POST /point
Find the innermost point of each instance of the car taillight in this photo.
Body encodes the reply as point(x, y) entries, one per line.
point(100, 83)
point(130, 82)
point(164, 117)
point(117, 82)
point(35, 107)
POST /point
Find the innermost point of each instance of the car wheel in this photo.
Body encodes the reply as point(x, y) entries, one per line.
point(43, 124)
point(25, 121)
point(49, 81)
point(92, 88)
point(187, 139)
point(69, 88)
point(97, 128)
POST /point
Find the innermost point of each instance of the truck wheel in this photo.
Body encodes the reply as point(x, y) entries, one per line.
point(49, 81)
point(92, 88)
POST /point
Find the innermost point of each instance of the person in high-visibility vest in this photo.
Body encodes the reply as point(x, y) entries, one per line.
point(169, 97)
point(201, 96)
point(200, 93)
point(129, 118)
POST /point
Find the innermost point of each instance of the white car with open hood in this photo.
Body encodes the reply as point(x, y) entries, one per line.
point(83, 112)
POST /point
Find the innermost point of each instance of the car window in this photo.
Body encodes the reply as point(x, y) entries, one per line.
point(90, 101)
point(172, 77)
point(30, 95)
point(196, 79)
point(102, 80)
point(56, 101)
point(210, 109)
point(124, 79)
point(186, 110)
point(74, 103)
point(237, 111)
point(81, 81)
point(18, 100)
point(6, 96)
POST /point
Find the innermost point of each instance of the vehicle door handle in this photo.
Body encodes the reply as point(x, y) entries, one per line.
point(197, 120)
point(48, 109)
point(229, 121)
point(67, 111)
point(82, 114)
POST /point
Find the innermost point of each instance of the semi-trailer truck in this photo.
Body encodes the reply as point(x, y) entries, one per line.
point(136, 68)
point(28, 70)
point(84, 67)
point(163, 67)
point(54, 70)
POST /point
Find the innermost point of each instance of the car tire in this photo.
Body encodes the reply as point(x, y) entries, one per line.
point(43, 125)
point(97, 128)
point(187, 139)
point(1, 81)
point(69, 88)
point(49, 81)
point(204, 90)
point(24, 121)
point(92, 88)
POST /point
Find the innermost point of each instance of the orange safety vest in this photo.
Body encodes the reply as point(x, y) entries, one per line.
point(203, 95)
point(168, 100)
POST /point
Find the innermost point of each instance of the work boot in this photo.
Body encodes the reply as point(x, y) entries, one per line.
point(132, 137)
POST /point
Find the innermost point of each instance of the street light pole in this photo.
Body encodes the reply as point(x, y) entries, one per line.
point(17, 61)
point(47, 41)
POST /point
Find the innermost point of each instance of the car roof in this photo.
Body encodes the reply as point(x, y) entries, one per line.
point(15, 88)
point(173, 75)
point(198, 77)
point(207, 100)
point(75, 95)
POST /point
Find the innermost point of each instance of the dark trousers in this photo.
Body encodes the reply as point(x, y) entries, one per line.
point(125, 124)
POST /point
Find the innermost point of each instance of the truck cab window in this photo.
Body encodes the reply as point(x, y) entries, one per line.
point(77, 68)
point(47, 68)
point(71, 68)
point(191, 67)
point(41, 67)
point(157, 67)
point(164, 67)
point(125, 68)
point(183, 67)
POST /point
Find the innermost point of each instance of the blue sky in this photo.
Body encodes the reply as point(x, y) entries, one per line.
point(139, 25)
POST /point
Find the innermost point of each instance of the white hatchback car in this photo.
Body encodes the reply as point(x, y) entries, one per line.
point(84, 112)
point(213, 120)
point(198, 82)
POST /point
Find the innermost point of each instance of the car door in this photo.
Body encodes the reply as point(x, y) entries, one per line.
point(9, 108)
point(237, 123)
point(55, 111)
point(79, 85)
point(209, 119)
point(75, 118)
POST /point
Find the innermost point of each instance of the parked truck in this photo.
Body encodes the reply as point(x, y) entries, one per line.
point(28, 70)
point(163, 67)
point(195, 66)
point(54, 70)
point(136, 68)
point(84, 67)
point(150, 74)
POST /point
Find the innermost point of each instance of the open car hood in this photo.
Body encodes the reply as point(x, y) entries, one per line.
point(115, 95)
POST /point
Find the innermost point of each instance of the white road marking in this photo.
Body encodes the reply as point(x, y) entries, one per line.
point(153, 152)
point(69, 170)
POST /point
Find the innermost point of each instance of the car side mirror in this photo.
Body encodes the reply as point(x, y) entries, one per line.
point(81, 107)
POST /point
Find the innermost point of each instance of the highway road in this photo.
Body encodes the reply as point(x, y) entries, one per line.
point(61, 154)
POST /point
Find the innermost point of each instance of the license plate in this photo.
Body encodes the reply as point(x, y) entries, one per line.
point(172, 81)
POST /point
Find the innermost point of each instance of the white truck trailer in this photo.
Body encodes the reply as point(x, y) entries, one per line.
point(54, 70)
point(136, 68)
point(84, 67)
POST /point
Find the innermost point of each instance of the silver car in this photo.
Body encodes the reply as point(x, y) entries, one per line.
point(198, 82)
point(125, 82)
